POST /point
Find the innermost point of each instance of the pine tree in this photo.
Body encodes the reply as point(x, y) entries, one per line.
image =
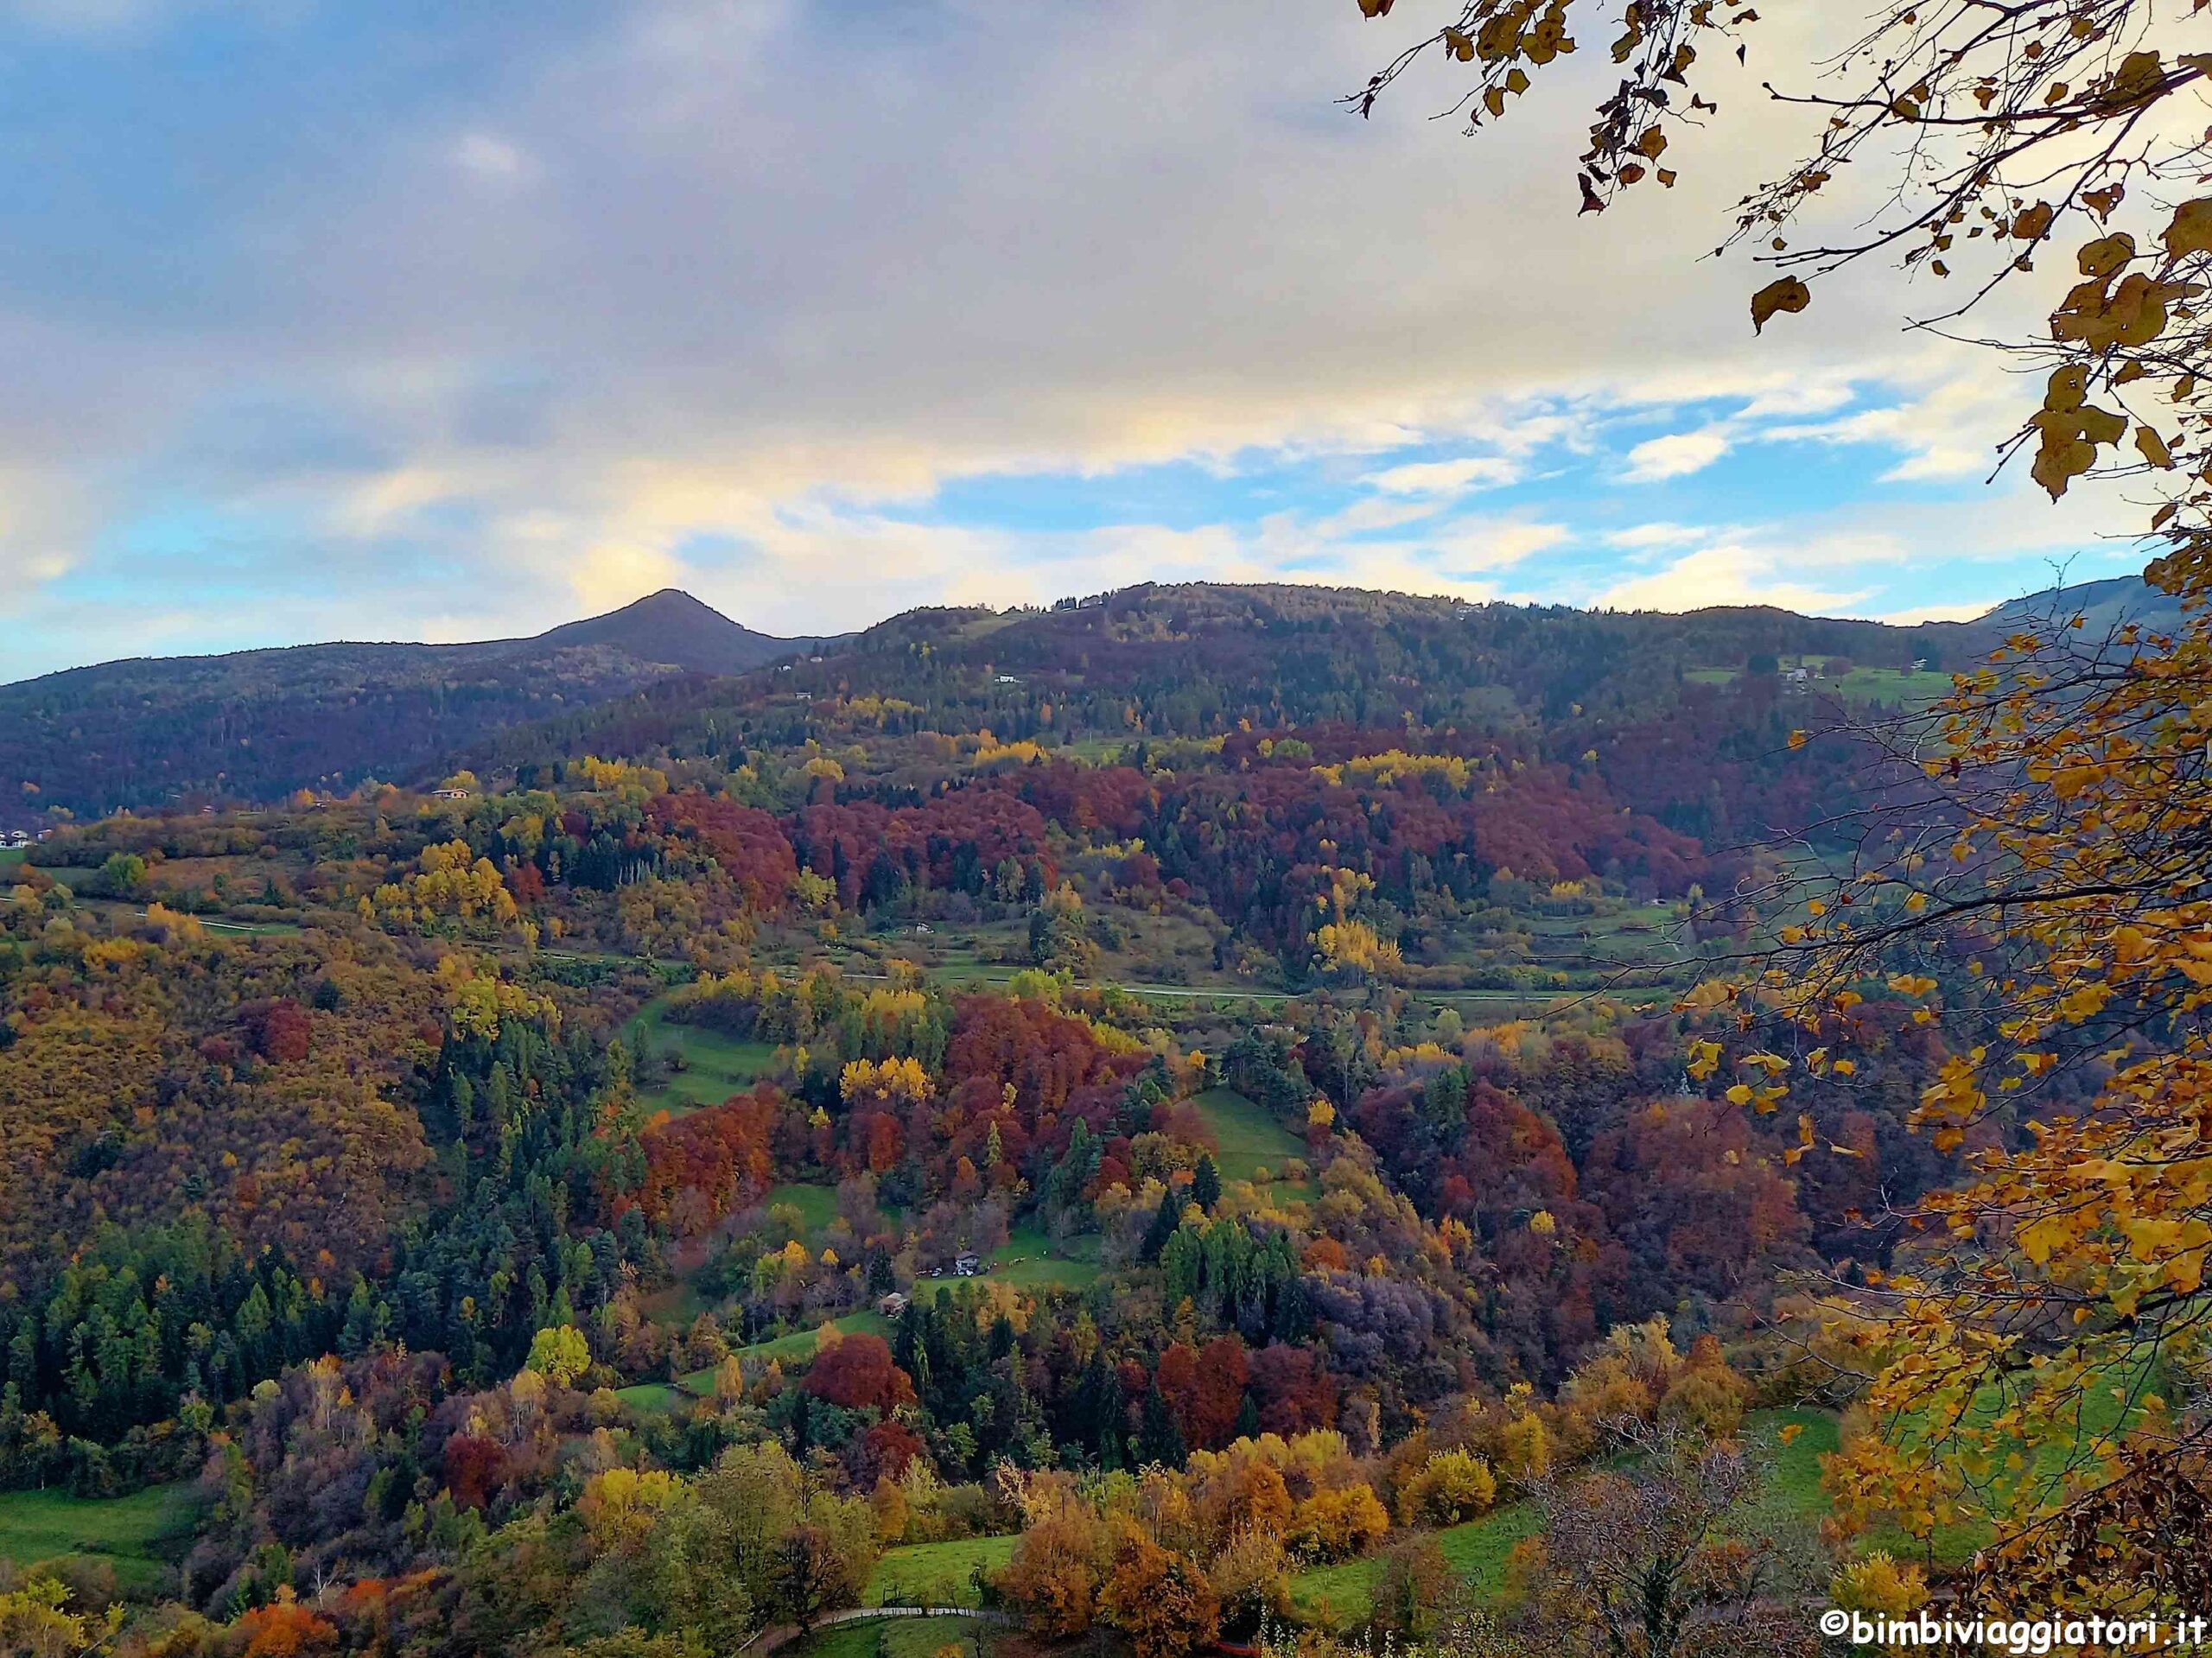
point(1098, 1409)
point(1247, 1420)
point(1159, 1440)
point(1164, 1220)
point(1205, 1185)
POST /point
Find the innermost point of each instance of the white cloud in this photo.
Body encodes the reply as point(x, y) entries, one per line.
point(1723, 575)
point(612, 574)
point(1446, 477)
point(1382, 513)
point(1644, 536)
point(1946, 428)
point(489, 156)
point(121, 22)
point(1765, 567)
point(1814, 395)
point(1964, 612)
point(1677, 454)
point(1497, 543)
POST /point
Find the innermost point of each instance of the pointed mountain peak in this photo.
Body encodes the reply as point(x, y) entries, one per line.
point(671, 627)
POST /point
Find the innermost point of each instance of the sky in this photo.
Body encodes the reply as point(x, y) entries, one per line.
point(417, 321)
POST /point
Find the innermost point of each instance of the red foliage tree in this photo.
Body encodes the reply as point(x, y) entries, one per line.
point(281, 1030)
point(723, 1154)
point(748, 844)
point(1203, 1390)
point(858, 1373)
point(1293, 1389)
point(474, 1466)
point(883, 1452)
point(285, 1630)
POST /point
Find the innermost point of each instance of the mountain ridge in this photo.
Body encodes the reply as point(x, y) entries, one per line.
point(669, 605)
point(256, 725)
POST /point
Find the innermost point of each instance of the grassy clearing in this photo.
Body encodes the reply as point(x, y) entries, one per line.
point(794, 1348)
point(11, 858)
point(1892, 687)
point(137, 1535)
point(1793, 1492)
point(935, 1574)
point(649, 1398)
point(1793, 1480)
point(1044, 1273)
point(1478, 1551)
point(1026, 1259)
point(924, 1637)
point(801, 1342)
point(677, 1306)
point(844, 1640)
point(715, 1066)
point(2091, 1428)
point(895, 1637)
point(817, 1205)
point(1250, 1140)
point(681, 1302)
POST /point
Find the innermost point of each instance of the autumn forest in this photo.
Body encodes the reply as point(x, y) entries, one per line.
point(1269, 1114)
point(1201, 1114)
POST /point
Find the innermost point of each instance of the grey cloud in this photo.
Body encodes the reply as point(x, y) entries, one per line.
point(660, 271)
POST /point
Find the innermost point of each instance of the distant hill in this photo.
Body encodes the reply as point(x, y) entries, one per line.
point(671, 675)
point(671, 628)
point(1200, 658)
point(2101, 605)
point(258, 724)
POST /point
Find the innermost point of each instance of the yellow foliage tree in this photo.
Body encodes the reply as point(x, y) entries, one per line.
point(890, 1081)
point(35, 1621)
point(1336, 1525)
point(451, 885)
point(1450, 1487)
point(1161, 1600)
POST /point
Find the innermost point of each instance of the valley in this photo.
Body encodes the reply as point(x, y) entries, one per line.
point(1302, 1127)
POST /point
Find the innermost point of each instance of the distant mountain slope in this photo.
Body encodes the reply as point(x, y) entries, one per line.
point(671, 626)
point(1201, 659)
point(669, 674)
point(2101, 605)
point(258, 724)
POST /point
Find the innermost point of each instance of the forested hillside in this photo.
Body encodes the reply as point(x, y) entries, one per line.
point(159, 732)
point(1240, 1116)
point(1208, 661)
point(252, 728)
point(1234, 1049)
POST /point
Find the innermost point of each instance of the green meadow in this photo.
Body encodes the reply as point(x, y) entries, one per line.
point(1478, 1551)
point(715, 1066)
point(1249, 1140)
point(935, 1574)
point(140, 1536)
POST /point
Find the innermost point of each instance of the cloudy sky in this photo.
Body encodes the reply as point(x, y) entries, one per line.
point(419, 320)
